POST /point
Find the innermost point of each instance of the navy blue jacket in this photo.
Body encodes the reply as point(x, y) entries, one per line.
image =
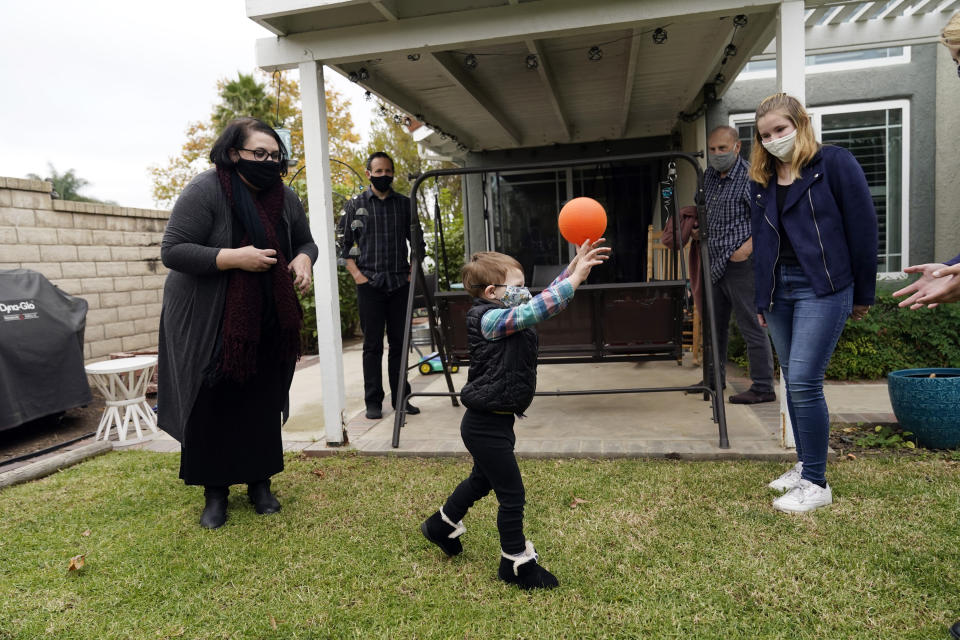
point(829, 216)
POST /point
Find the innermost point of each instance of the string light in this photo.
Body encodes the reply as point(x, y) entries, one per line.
point(413, 57)
point(659, 35)
point(595, 53)
point(471, 62)
point(367, 96)
point(390, 114)
point(532, 62)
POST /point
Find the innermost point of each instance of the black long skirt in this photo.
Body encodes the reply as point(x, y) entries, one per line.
point(233, 433)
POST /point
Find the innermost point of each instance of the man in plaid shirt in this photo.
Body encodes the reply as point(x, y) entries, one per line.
point(376, 240)
point(727, 189)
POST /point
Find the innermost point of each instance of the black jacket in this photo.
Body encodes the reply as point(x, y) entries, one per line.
point(503, 373)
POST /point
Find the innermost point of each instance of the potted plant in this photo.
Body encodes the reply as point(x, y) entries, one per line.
point(927, 403)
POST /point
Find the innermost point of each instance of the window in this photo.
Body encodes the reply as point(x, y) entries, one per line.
point(826, 62)
point(877, 135)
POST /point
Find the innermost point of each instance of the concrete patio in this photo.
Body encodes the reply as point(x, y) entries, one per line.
point(668, 424)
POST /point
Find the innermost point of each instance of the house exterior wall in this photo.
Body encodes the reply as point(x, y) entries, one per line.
point(107, 255)
point(915, 81)
point(946, 229)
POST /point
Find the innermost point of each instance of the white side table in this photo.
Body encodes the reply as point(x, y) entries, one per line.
point(123, 383)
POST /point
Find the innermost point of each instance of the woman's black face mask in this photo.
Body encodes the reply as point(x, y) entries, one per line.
point(260, 174)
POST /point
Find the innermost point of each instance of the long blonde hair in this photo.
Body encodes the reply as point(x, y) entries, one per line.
point(950, 36)
point(762, 163)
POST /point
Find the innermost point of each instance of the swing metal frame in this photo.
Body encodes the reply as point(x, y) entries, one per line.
point(711, 390)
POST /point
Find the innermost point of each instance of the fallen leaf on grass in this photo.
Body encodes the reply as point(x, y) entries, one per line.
point(76, 562)
point(273, 623)
point(850, 456)
point(320, 473)
point(86, 533)
point(577, 502)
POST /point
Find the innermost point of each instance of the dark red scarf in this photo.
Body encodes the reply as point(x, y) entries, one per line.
point(243, 309)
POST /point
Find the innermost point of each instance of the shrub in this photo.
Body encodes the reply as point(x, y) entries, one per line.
point(889, 338)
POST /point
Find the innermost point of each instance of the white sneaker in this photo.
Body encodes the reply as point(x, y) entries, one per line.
point(806, 496)
point(788, 480)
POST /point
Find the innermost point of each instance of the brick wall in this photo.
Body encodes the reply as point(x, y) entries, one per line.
point(106, 254)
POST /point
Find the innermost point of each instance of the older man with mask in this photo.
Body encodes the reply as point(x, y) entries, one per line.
point(726, 186)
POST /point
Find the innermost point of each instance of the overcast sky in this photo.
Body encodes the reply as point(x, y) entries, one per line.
point(107, 88)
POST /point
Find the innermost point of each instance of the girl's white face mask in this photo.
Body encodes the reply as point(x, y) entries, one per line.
point(781, 148)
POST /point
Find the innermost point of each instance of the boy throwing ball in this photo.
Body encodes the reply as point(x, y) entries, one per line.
point(500, 386)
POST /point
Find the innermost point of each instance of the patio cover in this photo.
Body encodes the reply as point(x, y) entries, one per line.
point(547, 72)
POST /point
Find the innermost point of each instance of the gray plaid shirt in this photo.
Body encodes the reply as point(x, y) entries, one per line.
point(728, 214)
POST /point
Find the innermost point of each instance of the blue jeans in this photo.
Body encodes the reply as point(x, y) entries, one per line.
point(805, 329)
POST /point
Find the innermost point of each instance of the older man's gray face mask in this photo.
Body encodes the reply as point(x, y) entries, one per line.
point(722, 162)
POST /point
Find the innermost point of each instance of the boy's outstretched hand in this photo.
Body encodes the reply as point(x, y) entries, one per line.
point(589, 255)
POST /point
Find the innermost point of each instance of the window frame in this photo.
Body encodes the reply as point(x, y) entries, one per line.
point(831, 67)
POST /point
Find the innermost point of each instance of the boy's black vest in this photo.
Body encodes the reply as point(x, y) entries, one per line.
point(503, 373)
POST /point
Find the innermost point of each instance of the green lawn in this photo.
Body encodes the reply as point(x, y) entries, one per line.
point(660, 549)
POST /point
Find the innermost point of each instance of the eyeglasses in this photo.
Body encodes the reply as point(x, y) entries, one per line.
point(262, 154)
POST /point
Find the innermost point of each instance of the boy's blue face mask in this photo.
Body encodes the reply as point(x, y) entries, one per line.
point(515, 296)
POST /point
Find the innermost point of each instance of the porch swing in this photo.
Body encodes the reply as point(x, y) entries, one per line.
point(616, 322)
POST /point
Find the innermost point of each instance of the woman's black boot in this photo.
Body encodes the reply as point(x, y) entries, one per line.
point(215, 509)
point(263, 501)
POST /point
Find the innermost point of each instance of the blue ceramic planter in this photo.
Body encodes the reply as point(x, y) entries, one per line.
point(929, 407)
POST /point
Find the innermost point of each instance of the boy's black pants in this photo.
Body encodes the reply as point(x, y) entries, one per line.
point(490, 440)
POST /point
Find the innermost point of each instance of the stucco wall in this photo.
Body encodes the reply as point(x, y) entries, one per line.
point(107, 255)
point(946, 230)
point(915, 81)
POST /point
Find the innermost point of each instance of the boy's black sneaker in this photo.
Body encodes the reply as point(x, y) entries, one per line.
point(523, 570)
point(442, 533)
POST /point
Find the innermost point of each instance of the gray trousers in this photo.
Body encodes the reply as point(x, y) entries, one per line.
point(734, 293)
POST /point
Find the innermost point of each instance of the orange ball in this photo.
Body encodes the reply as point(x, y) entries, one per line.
point(582, 219)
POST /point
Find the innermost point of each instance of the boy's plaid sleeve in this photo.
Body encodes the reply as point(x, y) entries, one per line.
point(500, 323)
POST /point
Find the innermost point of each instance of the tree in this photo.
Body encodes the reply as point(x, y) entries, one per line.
point(68, 185)
point(241, 97)
point(248, 96)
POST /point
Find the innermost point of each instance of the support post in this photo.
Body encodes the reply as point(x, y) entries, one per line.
point(316, 142)
point(791, 79)
point(791, 49)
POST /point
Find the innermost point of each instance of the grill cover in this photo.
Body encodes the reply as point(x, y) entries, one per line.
point(41, 348)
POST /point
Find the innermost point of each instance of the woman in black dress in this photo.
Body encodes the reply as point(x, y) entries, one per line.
point(237, 245)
